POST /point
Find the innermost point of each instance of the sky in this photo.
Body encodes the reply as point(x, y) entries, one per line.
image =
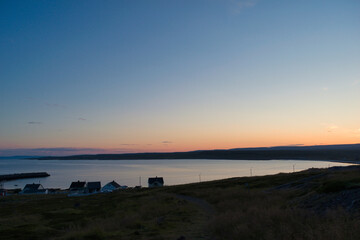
point(167, 75)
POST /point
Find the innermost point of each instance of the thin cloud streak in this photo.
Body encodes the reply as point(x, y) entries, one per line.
point(55, 105)
point(239, 5)
point(332, 128)
point(62, 151)
point(32, 122)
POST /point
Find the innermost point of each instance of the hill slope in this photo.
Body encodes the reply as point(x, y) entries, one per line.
point(317, 204)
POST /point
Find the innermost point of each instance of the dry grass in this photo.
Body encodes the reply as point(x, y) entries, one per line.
point(246, 208)
point(265, 216)
point(252, 208)
point(123, 215)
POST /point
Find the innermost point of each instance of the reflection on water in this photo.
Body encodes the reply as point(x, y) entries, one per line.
point(128, 172)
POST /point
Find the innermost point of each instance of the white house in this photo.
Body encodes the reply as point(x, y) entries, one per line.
point(111, 186)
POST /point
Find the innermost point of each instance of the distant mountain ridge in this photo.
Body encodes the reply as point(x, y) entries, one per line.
point(343, 153)
point(313, 147)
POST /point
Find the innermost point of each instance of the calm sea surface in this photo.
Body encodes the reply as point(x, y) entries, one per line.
point(129, 172)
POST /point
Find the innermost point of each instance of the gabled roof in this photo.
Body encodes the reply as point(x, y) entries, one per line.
point(93, 185)
point(156, 179)
point(32, 187)
point(77, 184)
point(115, 184)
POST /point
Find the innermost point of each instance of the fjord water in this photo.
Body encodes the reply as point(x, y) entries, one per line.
point(131, 172)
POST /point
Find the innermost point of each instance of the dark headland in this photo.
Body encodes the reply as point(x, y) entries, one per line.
point(343, 153)
point(15, 176)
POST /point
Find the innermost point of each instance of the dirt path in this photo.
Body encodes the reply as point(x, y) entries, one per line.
point(204, 205)
point(208, 210)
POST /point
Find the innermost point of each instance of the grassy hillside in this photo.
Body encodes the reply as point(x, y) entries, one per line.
point(313, 204)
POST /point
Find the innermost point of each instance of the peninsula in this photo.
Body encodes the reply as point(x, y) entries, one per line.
point(8, 177)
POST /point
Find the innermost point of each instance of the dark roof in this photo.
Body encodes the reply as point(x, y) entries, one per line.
point(77, 184)
point(156, 179)
point(93, 185)
point(115, 184)
point(32, 187)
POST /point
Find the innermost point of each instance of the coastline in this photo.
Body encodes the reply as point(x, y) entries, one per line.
point(339, 153)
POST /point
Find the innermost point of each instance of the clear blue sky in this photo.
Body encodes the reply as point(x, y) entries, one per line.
point(132, 76)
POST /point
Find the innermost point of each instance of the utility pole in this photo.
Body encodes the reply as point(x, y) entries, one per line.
point(200, 177)
point(140, 181)
point(250, 172)
point(293, 167)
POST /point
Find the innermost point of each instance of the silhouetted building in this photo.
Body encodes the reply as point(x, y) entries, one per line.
point(156, 182)
point(33, 189)
point(93, 187)
point(77, 186)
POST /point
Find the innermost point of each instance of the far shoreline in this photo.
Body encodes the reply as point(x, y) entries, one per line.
point(336, 153)
point(190, 159)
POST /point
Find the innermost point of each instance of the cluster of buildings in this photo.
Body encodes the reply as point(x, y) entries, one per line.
point(82, 188)
point(87, 188)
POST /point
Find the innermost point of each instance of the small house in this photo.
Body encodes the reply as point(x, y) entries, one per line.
point(156, 182)
point(33, 189)
point(111, 186)
point(93, 187)
point(77, 186)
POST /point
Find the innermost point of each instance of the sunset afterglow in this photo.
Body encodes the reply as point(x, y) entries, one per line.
point(163, 76)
